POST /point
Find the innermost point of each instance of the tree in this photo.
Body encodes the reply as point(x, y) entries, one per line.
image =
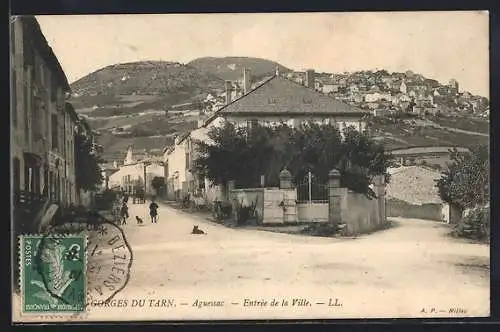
point(465, 182)
point(157, 183)
point(222, 158)
point(363, 158)
point(243, 155)
point(87, 158)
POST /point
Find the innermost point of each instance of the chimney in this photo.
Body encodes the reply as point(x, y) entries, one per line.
point(229, 88)
point(247, 81)
point(277, 71)
point(115, 164)
point(310, 78)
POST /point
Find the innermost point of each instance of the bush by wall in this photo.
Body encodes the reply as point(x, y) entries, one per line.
point(476, 224)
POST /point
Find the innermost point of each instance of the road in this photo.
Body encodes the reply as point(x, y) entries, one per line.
point(391, 273)
point(461, 131)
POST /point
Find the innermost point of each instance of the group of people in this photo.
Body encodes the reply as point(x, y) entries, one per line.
point(124, 215)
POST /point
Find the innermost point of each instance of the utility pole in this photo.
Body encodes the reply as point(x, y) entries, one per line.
point(146, 164)
point(309, 180)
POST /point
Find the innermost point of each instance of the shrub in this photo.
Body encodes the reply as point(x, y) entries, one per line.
point(476, 224)
point(246, 214)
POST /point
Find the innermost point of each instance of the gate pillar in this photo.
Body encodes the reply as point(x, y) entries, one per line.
point(334, 198)
point(285, 179)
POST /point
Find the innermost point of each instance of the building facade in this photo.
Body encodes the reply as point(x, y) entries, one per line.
point(43, 123)
point(130, 176)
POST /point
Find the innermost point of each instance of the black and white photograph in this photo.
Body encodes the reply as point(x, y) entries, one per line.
point(250, 166)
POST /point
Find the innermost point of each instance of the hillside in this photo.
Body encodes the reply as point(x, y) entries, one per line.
point(230, 68)
point(146, 78)
point(125, 103)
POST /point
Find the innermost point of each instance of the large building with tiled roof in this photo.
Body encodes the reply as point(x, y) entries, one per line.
point(282, 100)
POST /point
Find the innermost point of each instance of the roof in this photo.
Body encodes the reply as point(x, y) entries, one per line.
point(426, 150)
point(413, 184)
point(32, 27)
point(281, 96)
point(142, 161)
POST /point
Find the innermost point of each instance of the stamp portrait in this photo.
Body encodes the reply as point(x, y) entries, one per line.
point(53, 273)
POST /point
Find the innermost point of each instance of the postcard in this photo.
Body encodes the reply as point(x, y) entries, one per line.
point(250, 166)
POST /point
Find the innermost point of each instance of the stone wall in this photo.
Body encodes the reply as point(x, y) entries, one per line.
point(359, 213)
point(247, 197)
point(312, 212)
point(355, 211)
point(273, 205)
point(273, 202)
point(431, 211)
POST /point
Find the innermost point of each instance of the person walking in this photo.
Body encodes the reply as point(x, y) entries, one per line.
point(124, 213)
point(153, 211)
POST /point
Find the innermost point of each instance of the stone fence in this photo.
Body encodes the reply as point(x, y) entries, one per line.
point(273, 206)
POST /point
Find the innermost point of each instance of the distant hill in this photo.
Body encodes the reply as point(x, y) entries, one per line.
point(122, 100)
point(231, 68)
point(146, 78)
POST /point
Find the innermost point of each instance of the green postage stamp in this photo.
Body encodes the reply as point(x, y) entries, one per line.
point(53, 273)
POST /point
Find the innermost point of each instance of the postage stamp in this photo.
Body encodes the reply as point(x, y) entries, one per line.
point(53, 273)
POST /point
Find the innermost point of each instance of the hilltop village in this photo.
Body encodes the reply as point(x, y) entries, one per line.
point(382, 92)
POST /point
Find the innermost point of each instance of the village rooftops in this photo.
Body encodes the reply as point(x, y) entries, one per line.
point(279, 96)
point(142, 161)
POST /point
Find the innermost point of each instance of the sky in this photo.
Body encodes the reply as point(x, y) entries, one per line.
point(438, 45)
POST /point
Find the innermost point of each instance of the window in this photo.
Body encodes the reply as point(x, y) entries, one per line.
point(16, 175)
point(187, 160)
point(13, 99)
point(55, 132)
point(12, 38)
point(45, 182)
point(252, 124)
point(26, 103)
point(41, 71)
point(36, 109)
point(53, 89)
point(31, 174)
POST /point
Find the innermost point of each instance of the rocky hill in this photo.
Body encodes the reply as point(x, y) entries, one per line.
point(147, 78)
point(230, 68)
point(126, 102)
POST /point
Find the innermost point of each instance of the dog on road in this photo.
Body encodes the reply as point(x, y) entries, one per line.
point(196, 230)
point(139, 220)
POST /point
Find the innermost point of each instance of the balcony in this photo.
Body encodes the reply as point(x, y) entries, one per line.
point(55, 158)
point(27, 206)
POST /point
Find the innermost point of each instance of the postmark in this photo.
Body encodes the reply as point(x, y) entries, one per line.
point(109, 257)
point(53, 270)
point(90, 251)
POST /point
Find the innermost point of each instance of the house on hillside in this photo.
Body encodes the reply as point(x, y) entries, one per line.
point(412, 193)
point(276, 100)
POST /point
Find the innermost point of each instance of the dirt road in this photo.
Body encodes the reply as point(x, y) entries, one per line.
point(411, 270)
